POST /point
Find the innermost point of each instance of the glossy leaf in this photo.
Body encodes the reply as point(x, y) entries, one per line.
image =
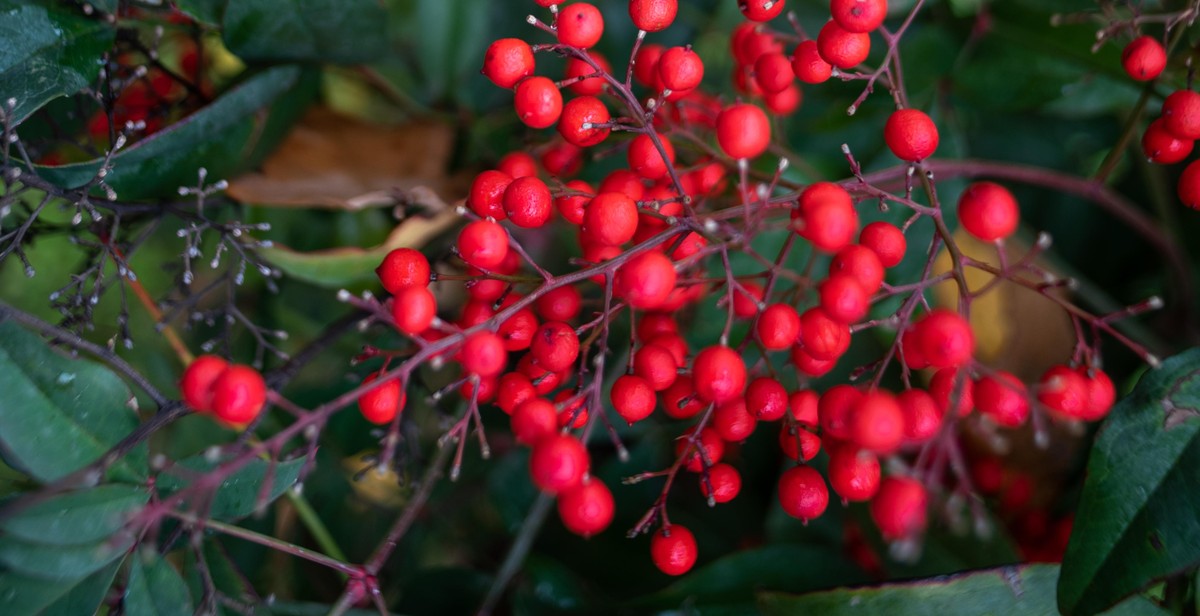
point(207, 12)
point(340, 31)
point(59, 562)
point(155, 589)
point(1137, 520)
point(238, 495)
point(1010, 590)
point(83, 516)
point(60, 414)
point(233, 133)
point(48, 51)
point(22, 594)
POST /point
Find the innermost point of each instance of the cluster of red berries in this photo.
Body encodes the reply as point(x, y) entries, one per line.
point(232, 392)
point(650, 222)
point(1170, 138)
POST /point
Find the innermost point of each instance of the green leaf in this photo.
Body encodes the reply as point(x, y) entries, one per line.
point(84, 516)
point(60, 414)
point(237, 496)
point(340, 31)
point(48, 51)
point(156, 589)
point(1010, 590)
point(61, 562)
point(208, 12)
point(232, 134)
point(21, 594)
point(1137, 519)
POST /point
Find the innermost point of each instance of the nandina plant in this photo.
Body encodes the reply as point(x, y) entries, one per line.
point(798, 373)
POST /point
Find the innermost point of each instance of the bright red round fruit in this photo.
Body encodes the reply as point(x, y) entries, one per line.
point(922, 416)
point(382, 404)
point(886, 240)
point(761, 10)
point(652, 15)
point(507, 61)
point(1162, 146)
point(534, 420)
point(1003, 398)
point(860, 262)
point(555, 346)
point(822, 337)
point(743, 131)
point(951, 385)
point(773, 72)
point(586, 509)
point(538, 102)
point(911, 135)
point(487, 194)
point(632, 398)
point(238, 395)
point(785, 101)
point(517, 164)
point(646, 280)
point(1189, 185)
point(680, 400)
point(798, 443)
point(858, 15)
point(196, 385)
point(591, 84)
point(414, 309)
point(483, 244)
point(733, 421)
point(854, 473)
point(403, 267)
point(988, 211)
point(843, 298)
point(803, 405)
point(610, 219)
point(1065, 392)
point(528, 203)
point(808, 65)
point(778, 326)
point(842, 48)
point(1181, 114)
point(726, 482)
point(644, 158)
point(877, 423)
point(1144, 58)
point(579, 24)
point(680, 69)
point(673, 550)
point(645, 68)
point(708, 449)
point(1101, 393)
point(483, 354)
point(584, 121)
point(899, 508)
point(829, 224)
point(657, 365)
point(766, 398)
point(718, 374)
point(945, 338)
point(512, 390)
point(559, 304)
point(558, 463)
point(802, 493)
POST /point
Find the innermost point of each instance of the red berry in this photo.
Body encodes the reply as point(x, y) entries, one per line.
point(513, 390)
point(808, 65)
point(646, 280)
point(645, 160)
point(589, 85)
point(945, 338)
point(1003, 398)
point(538, 102)
point(534, 420)
point(877, 423)
point(238, 395)
point(1065, 392)
point(830, 225)
point(403, 267)
point(766, 398)
point(528, 203)
point(680, 69)
point(483, 354)
point(761, 10)
point(718, 374)
point(778, 327)
point(802, 493)
point(652, 15)
point(843, 298)
point(773, 72)
point(673, 550)
point(911, 135)
point(886, 241)
point(922, 416)
point(746, 298)
point(555, 346)
point(708, 449)
point(951, 384)
point(382, 404)
point(803, 406)
point(645, 68)
point(785, 101)
point(743, 131)
point(559, 304)
point(558, 463)
point(988, 211)
point(733, 421)
point(821, 192)
point(1189, 185)
point(860, 262)
point(807, 364)
point(798, 443)
point(657, 365)
point(517, 164)
point(899, 508)
point(726, 483)
point(483, 244)
point(487, 194)
point(586, 509)
point(196, 385)
point(842, 48)
point(579, 24)
point(610, 219)
point(858, 15)
point(1181, 114)
point(1144, 58)
point(654, 324)
point(517, 331)
point(822, 337)
point(853, 473)
point(632, 398)
point(507, 61)
point(413, 309)
point(835, 408)
point(1162, 146)
point(576, 113)
point(680, 400)
point(1101, 393)
point(748, 42)
point(572, 206)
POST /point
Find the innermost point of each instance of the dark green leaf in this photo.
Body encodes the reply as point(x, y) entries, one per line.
point(341, 31)
point(155, 589)
point(230, 135)
point(21, 594)
point(208, 12)
point(84, 516)
point(61, 562)
point(1137, 519)
point(1027, 590)
point(238, 494)
point(60, 414)
point(48, 51)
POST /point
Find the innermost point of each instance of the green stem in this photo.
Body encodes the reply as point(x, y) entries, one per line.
point(316, 526)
